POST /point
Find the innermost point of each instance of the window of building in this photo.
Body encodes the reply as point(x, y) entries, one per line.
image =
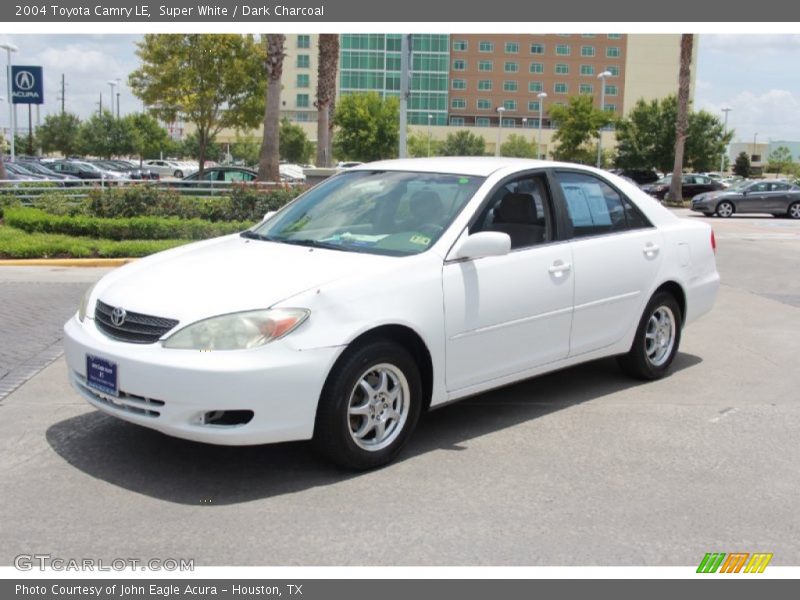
point(563, 50)
point(303, 61)
point(588, 35)
point(537, 48)
point(460, 45)
point(615, 36)
point(611, 90)
point(484, 104)
point(613, 52)
point(587, 51)
point(485, 85)
point(304, 41)
point(459, 84)
point(586, 88)
point(560, 88)
point(536, 67)
point(458, 103)
point(535, 86)
point(509, 123)
point(510, 104)
point(458, 121)
point(485, 46)
point(533, 106)
point(610, 108)
point(485, 65)
point(512, 48)
point(303, 80)
point(587, 69)
point(614, 70)
point(510, 86)
point(562, 69)
point(510, 66)
point(302, 101)
point(482, 122)
point(459, 65)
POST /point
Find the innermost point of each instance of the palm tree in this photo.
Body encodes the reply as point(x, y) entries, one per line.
point(3, 174)
point(681, 123)
point(326, 93)
point(268, 165)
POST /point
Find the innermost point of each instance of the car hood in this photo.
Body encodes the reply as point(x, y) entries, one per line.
point(227, 275)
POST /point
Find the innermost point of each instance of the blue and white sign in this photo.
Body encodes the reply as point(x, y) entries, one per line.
point(27, 85)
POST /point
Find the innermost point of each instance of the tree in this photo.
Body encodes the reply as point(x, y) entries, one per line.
point(246, 149)
point(295, 146)
point(59, 133)
point(268, 164)
point(418, 146)
point(213, 81)
point(367, 127)
point(779, 160)
point(646, 137)
point(579, 123)
point(517, 146)
point(105, 136)
point(326, 93)
point(463, 143)
point(682, 121)
point(190, 148)
point(148, 138)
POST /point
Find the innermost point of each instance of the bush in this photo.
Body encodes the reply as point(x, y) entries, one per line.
point(249, 203)
point(34, 220)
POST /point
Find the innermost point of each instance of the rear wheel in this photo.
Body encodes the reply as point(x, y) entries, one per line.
point(178, 174)
point(657, 339)
point(725, 209)
point(369, 406)
point(794, 211)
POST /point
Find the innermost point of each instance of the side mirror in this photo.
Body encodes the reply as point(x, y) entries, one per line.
point(268, 216)
point(482, 244)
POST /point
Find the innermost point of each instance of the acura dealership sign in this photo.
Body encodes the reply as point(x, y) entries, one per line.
point(27, 86)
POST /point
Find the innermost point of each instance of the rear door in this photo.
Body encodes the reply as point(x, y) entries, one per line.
point(616, 257)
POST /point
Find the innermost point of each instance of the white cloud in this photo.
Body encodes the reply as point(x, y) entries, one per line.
point(748, 43)
point(771, 114)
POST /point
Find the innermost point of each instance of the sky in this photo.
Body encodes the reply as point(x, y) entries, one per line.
point(754, 75)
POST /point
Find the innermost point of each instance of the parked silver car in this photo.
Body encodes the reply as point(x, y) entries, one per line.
point(779, 198)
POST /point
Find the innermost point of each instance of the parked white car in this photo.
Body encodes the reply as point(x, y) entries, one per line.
point(388, 289)
point(170, 168)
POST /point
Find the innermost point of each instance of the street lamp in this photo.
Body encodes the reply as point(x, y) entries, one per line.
point(9, 48)
point(113, 83)
point(430, 118)
point(541, 96)
point(602, 77)
point(724, 131)
point(755, 135)
point(500, 111)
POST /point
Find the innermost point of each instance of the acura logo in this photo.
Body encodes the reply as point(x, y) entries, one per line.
point(118, 316)
point(25, 81)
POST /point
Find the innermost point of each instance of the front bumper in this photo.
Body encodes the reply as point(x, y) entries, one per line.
point(171, 391)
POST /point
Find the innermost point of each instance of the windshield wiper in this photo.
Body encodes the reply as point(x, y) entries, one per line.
point(311, 243)
point(252, 235)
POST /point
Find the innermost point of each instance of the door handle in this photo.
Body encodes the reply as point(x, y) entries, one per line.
point(650, 249)
point(559, 267)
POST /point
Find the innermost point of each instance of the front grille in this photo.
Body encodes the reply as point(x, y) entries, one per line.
point(137, 328)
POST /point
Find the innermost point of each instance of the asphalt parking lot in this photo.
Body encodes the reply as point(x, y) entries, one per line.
point(579, 467)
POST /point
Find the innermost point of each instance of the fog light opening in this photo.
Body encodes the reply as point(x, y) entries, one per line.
point(227, 418)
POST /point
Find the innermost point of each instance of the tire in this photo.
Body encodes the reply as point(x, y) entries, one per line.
point(178, 174)
point(725, 209)
point(794, 210)
point(369, 406)
point(708, 214)
point(657, 339)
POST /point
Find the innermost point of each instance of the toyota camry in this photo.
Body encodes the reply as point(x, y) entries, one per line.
point(387, 290)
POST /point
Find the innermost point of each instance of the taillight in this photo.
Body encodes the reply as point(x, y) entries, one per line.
point(713, 242)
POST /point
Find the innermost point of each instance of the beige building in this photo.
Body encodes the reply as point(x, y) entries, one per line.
point(299, 78)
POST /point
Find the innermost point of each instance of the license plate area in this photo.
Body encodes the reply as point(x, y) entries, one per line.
point(101, 375)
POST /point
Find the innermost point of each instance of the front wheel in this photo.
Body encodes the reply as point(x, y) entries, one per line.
point(657, 339)
point(725, 209)
point(794, 210)
point(178, 174)
point(369, 406)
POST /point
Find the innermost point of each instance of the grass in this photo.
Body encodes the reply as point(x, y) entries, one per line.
point(15, 243)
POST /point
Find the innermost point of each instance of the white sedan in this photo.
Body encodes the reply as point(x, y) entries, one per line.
point(388, 289)
point(170, 168)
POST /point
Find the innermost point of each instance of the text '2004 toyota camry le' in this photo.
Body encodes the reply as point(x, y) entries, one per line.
point(386, 290)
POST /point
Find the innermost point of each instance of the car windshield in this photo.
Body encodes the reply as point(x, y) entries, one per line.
point(378, 212)
point(740, 186)
point(664, 180)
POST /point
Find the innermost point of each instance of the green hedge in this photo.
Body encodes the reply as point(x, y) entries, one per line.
point(34, 220)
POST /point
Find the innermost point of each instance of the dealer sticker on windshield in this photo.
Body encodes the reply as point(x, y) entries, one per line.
point(419, 239)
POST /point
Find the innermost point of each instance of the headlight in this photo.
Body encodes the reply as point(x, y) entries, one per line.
point(237, 331)
point(84, 305)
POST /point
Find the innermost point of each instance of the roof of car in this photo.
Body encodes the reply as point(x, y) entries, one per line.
point(462, 165)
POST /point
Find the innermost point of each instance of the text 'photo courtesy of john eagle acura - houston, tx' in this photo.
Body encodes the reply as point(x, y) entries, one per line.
point(387, 290)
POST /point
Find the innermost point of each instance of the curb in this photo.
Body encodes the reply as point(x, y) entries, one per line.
point(65, 262)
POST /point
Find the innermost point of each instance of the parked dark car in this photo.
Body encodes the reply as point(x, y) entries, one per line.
point(39, 169)
point(779, 198)
point(126, 169)
point(82, 169)
point(691, 183)
point(639, 176)
point(224, 174)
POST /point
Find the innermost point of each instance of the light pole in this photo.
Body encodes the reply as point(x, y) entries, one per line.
point(724, 131)
point(9, 48)
point(541, 96)
point(500, 111)
point(755, 135)
point(112, 83)
point(602, 77)
point(430, 118)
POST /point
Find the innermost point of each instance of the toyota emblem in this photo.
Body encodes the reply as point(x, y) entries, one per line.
point(118, 316)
